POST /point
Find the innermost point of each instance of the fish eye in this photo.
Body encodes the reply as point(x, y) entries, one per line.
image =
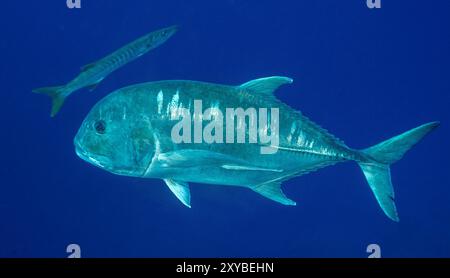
point(100, 126)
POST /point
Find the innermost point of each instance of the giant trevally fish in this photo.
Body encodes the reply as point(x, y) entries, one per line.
point(92, 74)
point(131, 132)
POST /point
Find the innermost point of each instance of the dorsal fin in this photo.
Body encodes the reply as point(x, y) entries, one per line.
point(88, 66)
point(266, 85)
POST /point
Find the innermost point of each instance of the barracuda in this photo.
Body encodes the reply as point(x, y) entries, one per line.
point(92, 74)
point(129, 133)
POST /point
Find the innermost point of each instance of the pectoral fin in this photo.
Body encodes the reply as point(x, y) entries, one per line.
point(181, 190)
point(272, 190)
point(193, 158)
point(248, 168)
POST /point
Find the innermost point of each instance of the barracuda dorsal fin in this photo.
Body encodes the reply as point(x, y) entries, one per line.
point(88, 66)
point(272, 190)
point(181, 190)
point(266, 85)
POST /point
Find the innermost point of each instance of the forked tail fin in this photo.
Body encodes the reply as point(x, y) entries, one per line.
point(376, 167)
point(57, 94)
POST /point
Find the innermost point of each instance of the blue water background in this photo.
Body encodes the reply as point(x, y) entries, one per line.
point(363, 74)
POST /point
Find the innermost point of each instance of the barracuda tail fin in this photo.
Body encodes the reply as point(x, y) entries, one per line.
point(57, 95)
point(376, 167)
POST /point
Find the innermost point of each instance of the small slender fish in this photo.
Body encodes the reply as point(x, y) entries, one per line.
point(92, 74)
point(130, 132)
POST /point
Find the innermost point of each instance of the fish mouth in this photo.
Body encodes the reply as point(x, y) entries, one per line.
point(171, 29)
point(98, 160)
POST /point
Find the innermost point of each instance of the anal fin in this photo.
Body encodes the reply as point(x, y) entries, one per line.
point(273, 191)
point(92, 87)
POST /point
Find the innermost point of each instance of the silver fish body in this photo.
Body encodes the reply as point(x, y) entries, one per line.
point(92, 74)
point(130, 132)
